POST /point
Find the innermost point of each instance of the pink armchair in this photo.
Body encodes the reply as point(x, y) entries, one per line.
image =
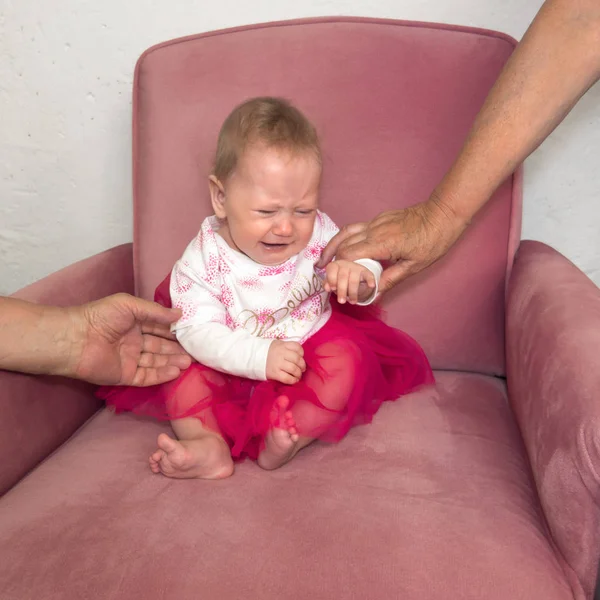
point(485, 487)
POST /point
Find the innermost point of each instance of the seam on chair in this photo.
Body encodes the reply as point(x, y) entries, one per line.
point(334, 19)
point(134, 174)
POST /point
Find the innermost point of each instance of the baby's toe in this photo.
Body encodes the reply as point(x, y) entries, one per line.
point(153, 464)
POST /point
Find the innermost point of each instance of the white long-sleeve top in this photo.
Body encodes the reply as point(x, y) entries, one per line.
point(233, 308)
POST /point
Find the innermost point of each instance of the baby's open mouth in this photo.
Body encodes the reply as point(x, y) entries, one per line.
point(274, 246)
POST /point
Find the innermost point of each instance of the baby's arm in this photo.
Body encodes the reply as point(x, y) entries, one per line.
point(234, 352)
point(240, 353)
point(203, 333)
point(202, 330)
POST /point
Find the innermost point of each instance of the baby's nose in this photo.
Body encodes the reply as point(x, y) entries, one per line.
point(283, 227)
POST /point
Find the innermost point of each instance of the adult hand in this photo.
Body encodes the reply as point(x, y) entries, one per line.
point(408, 240)
point(122, 340)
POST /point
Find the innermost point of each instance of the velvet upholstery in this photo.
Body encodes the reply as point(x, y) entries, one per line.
point(553, 340)
point(433, 500)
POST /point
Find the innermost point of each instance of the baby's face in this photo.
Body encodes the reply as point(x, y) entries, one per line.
point(269, 204)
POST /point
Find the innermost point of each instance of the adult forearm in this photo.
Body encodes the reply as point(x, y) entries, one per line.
point(34, 338)
point(557, 61)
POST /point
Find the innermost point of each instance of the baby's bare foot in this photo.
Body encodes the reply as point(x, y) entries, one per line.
point(281, 443)
point(204, 458)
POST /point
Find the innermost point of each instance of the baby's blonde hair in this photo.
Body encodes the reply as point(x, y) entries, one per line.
point(274, 122)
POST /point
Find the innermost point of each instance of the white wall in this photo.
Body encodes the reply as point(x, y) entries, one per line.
point(65, 87)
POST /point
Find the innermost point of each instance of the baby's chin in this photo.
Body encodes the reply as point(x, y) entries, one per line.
point(269, 262)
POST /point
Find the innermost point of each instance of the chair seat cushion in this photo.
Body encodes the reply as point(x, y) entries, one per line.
point(432, 500)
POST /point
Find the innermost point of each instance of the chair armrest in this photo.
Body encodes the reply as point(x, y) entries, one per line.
point(553, 373)
point(37, 414)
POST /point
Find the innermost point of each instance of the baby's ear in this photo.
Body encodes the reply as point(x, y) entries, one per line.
point(217, 196)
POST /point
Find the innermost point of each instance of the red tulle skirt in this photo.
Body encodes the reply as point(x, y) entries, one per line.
point(354, 363)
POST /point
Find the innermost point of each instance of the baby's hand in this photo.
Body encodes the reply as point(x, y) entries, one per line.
point(349, 280)
point(285, 362)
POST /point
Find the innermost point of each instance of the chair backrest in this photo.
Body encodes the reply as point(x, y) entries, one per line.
point(393, 102)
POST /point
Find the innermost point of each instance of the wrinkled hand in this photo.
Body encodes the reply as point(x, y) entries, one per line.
point(409, 240)
point(122, 340)
point(349, 281)
point(285, 362)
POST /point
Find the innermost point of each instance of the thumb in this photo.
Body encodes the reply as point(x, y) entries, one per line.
point(144, 310)
point(334, 243)
point(358, 247)
point(393, 275)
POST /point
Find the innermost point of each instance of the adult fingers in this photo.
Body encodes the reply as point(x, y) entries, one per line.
point(160, 345)
point(331, 249)
point(394, 274)
point(158, 330)
point(145, 376)
point(359, 247)
point(148, 312)
point(150, 359)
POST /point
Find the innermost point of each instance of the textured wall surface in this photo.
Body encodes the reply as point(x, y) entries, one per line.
point(66, 70)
